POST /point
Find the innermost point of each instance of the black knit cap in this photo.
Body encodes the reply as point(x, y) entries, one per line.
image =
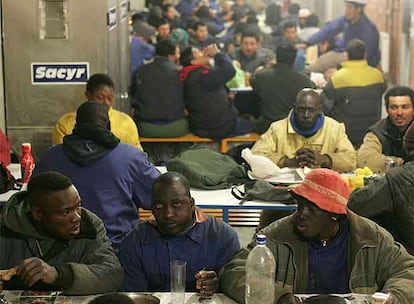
point(92, 114)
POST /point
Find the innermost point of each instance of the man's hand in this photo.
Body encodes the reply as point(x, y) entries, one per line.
point(306, 157)
point(207, 282)
point(323, 160)
point(33, 270)
point(391, 299)
point(291, 162)
point(211, 50)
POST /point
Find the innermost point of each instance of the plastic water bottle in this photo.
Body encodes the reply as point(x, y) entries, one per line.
point(260, 274)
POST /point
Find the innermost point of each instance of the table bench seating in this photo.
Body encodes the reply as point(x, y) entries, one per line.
point(251, 137)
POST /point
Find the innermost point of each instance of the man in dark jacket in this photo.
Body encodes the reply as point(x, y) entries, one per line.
point(155, 88)
point(277, 87)
point(355, 93)
point(113, 179)
point(389, 200)
point(383, 140)
point(211, 113)
point(51, 243)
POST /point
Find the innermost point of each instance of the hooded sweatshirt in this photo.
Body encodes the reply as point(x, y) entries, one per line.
point(86, 264)
point(113, 179)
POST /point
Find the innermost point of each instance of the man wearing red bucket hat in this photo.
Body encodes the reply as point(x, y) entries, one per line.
point(325, 248)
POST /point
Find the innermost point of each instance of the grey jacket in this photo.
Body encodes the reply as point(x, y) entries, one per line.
point(376, 262)
point(86, 264)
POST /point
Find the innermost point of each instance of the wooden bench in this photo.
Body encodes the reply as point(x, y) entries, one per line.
point(186, 138)
point(251, 137)
point(145, 214)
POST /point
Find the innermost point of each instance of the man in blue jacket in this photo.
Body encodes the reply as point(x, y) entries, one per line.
point(178, 230)
point(113, 179)
point(354, 25)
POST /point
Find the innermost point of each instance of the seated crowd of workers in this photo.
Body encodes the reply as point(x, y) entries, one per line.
point(77, 226)
point(51, 242)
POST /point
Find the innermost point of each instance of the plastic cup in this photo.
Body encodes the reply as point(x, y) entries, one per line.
point(177, 280)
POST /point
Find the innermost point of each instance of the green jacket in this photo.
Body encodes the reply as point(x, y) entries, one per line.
point(376, 263)
point(86, 264)
point(389, 201)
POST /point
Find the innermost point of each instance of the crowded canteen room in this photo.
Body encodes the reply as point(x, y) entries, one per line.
point(207, 151)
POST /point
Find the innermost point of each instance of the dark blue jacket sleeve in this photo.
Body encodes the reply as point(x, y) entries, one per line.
point(144, 174)
point(330, 30)
point(130, 256)
point(220, 74)
point(230, 245)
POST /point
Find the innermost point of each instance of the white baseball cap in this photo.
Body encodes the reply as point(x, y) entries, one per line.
point(361, 2)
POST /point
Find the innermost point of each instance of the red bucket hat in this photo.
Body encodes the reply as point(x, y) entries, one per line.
point(325, 188)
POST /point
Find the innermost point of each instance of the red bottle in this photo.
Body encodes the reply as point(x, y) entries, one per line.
point(26, 162)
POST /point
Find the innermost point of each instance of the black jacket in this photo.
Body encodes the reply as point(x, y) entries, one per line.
point(211, 114)
point(157, 93)
point(86, 264)
point(390, 137)
point(277, 88)
point(389, 201)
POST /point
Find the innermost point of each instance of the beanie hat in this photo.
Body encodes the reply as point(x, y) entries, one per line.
point(143, 29)
point(325, 188)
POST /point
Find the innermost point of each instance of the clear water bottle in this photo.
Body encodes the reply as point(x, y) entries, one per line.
point(260, 274)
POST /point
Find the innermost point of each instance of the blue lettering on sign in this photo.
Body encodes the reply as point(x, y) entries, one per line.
point(60, 73)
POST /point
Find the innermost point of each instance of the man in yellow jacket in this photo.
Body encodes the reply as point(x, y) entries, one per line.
point(354, 93)
point(100, 88)
point(307, 138)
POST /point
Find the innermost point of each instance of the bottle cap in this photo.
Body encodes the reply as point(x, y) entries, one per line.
point(261, 239)
point(26, 147)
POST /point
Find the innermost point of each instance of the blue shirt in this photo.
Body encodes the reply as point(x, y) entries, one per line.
point(140, 52)
point(362, 29)
point(327, 266)
point(113, 187)
point(145, 254)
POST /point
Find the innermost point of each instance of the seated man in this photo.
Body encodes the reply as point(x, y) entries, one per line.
point(100, 88)
point(389, 200)
point(384, 139)
point(355, 92)
point(325, 248)
point(163, 30)
point(277, 87)
point(290, 36)
point(54, 243)
point(177, 230)
point(307, 138)
point(201, 37)
point(250, 55)
point(114, 179)
point(151, 98)
point(211, 113)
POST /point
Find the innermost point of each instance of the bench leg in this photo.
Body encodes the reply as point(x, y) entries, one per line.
point(223, 146)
